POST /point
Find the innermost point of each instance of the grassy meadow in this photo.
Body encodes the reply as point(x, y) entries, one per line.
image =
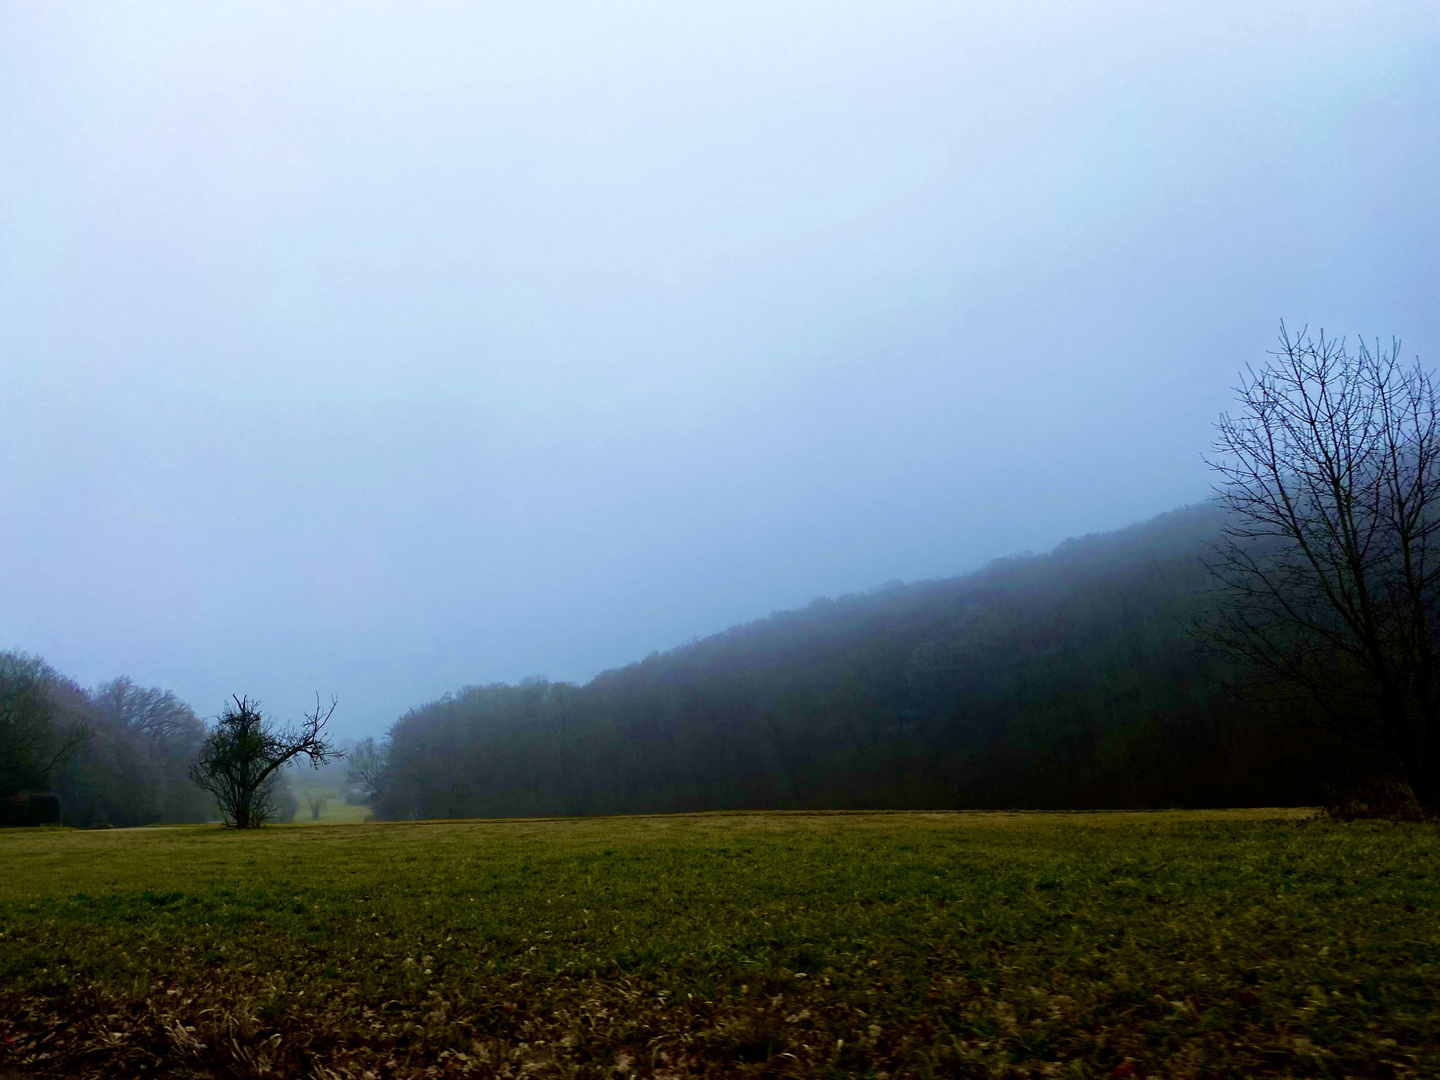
point(333, 808)
point(1179, 944)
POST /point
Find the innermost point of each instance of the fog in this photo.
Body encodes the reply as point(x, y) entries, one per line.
point(380, 349)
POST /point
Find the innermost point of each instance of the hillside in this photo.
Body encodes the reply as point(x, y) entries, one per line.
point(1068, 679)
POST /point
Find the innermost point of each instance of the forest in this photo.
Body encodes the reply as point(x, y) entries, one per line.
point(1073, 679)
point(116, 755)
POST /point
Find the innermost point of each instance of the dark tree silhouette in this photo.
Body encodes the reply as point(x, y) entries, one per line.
point(37, 734)
point(367, 769)
point(1331, 560)
point(1067, 679)
point(240, 761)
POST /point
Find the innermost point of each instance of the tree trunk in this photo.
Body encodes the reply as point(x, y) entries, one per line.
point(1425, 775)
point(1414, 747)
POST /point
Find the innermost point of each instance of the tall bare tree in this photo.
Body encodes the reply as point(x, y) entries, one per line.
point(1331, 473)
point(240, 761)
point(155, 713)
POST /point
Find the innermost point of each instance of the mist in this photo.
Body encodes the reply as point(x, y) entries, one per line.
point(381, 349)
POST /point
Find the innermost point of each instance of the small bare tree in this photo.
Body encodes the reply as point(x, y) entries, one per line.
point(240, 761)
point(317, 801)
point(1331, 561)
point(366, 772)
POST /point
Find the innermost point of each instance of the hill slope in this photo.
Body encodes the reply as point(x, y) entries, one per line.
point(1067, 679)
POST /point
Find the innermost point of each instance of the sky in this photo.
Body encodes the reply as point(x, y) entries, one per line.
point(380, 349)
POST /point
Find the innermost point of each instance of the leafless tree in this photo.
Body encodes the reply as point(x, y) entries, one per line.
point(317, 801)
point(1330, 471)
point(157, 714)
point(240, 760)
point(366, 773)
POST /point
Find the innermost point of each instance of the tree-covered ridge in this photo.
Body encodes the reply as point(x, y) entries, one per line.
point(1068, 679)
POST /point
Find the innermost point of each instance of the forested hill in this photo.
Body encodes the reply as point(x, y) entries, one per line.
point(1068, 679)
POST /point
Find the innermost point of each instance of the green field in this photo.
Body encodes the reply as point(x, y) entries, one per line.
point(333, 810)
point(1025, 945)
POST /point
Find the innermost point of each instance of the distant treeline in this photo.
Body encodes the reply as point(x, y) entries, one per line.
point(1066, 680)
point(116, 755)
point(1070, 679)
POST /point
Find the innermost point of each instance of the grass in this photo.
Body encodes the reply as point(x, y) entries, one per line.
point(334, 810)
point(899, 945)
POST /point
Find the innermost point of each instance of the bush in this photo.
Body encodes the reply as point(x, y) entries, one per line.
point(1383, 798)
point(32, 808)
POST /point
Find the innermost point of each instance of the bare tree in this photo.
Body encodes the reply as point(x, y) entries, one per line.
point(155, 713)
point(240, 760)
point(317, 801)
point(366, 774)
point(1331, 561)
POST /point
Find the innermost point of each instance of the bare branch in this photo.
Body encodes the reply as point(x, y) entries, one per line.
point(1330, 471)
point(240, 761)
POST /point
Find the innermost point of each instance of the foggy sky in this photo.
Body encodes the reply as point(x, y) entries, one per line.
point(380, 349)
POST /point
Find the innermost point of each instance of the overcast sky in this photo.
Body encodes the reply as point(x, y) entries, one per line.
point(380, 349)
